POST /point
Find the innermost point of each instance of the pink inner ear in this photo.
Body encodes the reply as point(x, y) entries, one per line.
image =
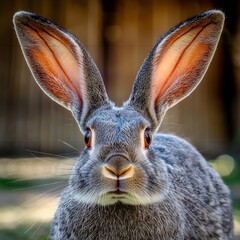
point(49, 83)
point(54, 64)
point(180, 59)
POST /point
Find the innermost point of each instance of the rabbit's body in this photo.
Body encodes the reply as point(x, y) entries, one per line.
point(193, 208)
point(130, 182)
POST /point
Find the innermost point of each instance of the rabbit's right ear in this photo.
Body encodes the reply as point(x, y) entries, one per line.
point(60, 65)
point(176, 65)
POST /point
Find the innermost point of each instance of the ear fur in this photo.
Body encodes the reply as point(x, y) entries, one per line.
point(176, 65)
point(60, 65)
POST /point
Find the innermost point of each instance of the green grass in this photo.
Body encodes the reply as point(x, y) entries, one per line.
point(236, 210)
point(234, 177)
point(11, 183)
point(15, 184)
point(19, 233)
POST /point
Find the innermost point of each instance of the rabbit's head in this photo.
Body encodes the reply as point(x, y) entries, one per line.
point(118, 163)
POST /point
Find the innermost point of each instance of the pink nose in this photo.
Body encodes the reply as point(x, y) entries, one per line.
point(118, 167)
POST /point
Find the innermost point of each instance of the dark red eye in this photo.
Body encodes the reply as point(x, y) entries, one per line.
point(147, 138)
point(88, 138)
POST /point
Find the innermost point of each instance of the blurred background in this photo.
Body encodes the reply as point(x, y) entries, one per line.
point(39, 140)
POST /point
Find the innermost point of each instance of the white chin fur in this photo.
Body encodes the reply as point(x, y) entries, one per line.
point(110, 199)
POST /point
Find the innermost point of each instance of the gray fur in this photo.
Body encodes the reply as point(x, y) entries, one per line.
point(172, 193)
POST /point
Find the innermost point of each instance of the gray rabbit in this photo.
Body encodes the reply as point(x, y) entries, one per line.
point(131, 182)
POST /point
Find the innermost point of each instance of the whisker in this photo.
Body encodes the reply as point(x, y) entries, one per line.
point(22, 215)
point(27, 179)
point(52, 159)
point(40, 196)
point(67, 174)
point(69, 145)
point(40, 222)
point(37, 186)
point(35, 231)
point(45, 153)
point(34, 224)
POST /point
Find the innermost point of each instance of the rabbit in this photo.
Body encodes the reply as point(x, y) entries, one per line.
point(129, 181)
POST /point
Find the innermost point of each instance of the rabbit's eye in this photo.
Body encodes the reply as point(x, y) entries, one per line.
point(147, 138)
point(88, 138)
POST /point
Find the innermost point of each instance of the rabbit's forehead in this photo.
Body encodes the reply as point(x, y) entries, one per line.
point(118, 121)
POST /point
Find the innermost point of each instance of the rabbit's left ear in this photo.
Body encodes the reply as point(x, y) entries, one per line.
point(60, 65)
point(176, 65)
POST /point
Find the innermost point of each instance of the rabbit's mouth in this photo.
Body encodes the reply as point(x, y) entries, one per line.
point(118, 195)
point(118, 192)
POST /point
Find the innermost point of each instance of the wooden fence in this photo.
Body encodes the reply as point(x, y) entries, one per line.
point(118, 35)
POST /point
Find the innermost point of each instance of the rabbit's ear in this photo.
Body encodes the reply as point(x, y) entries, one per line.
point(60, 64)
point(176, 65)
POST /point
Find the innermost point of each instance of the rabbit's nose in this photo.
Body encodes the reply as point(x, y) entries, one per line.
point(110, 172)
point(117, 168)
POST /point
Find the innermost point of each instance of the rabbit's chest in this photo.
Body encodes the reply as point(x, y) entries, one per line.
point(121, 222)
